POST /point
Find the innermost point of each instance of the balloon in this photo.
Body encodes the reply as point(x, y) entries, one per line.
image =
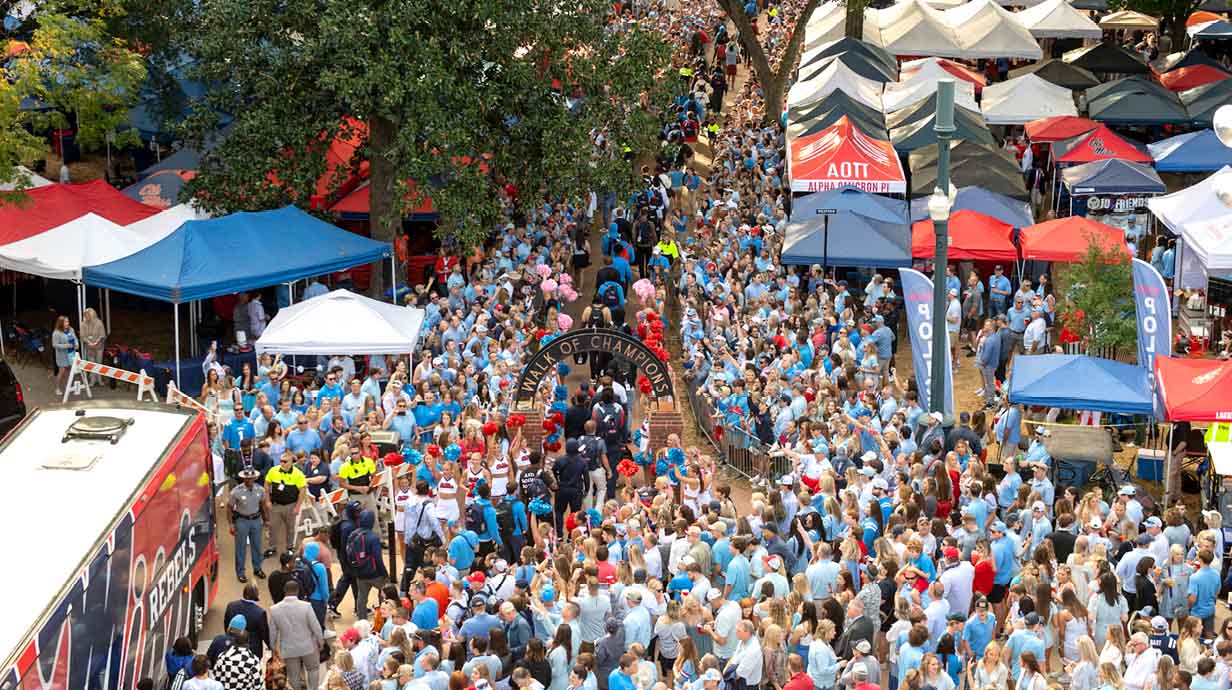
point(548, 286)
point(543, 270)
point(516, 421)
point(564, 321)
point(557, 417)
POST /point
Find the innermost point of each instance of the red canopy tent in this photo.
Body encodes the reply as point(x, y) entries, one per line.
point(1191, 77)
point(1194, 390)
point(358, 203)
point(1058, 127)
point(51, 206)
point(959, 71)
point(1098, 144)
point(1067, 240)
point(343, 172)
point(841, 155)
point(973, 236)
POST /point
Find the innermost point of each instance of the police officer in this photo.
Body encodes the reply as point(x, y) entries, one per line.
point(356, 476)
point(249, 510)
point(286, 487)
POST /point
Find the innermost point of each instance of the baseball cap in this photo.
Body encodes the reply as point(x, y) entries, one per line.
point(501, 565)
point(997, 526)
point(350, 635)
point(477, 578)
point(1153, 521)
point(860, 672)
point(1033, 618)
point(879, 483)
point(1159, 623)
point(1039, 505)
point(1043, 431)
point(936, 415)
point(1128, 490)
point(712, 675)
point(863, 647)
point(713, 593)
point(1144, 539)
point(956, 617)
point(773, 562)
point(868, 456)
point(787, 480)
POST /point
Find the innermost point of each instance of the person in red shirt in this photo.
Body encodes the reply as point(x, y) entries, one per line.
point(799, 679)
point(436, 589)
point(985, 569)
point(607, 571)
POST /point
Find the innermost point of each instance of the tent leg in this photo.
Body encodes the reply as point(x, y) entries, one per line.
point(107, 303)
point(393, 281)
point(1168, 468)
point(176, 311)
point(81, 298)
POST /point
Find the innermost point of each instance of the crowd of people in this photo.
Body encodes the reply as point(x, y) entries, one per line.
point(880, 548)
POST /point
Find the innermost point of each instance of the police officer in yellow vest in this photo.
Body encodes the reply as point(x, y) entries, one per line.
point(287, 489)
point(356, 476)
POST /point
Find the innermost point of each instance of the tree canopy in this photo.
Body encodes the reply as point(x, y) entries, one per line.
point(1100, 299)
point(457, 100)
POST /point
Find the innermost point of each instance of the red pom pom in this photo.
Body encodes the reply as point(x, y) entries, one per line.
point(718, 432)
point(627, 468)
point(434, 450)
point(642, 330)
point(539, 334)
point(643, 384)
point(558, 417)
point(553, 447)
point(661, 354)
point(392, 459)
point(516, 421)
point(490, 428)
point(549, 426)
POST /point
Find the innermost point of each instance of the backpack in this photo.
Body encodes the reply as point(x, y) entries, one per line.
point(363, 554)
point(307, 581)
point(532, 485)
point(611, 297)
point(609, 423)
point(504, 517)
point(335, 536)
point(474, 518)
point(588, 448)
point(645, 232)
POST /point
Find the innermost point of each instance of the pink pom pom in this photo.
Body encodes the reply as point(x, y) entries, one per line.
point(543, 270)
point(644, 289)
point(564, 321)
point(566, 279)
point(548, 286)
point(568, 294)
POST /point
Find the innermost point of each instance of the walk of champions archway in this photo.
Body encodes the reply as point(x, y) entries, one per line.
point(587, 340)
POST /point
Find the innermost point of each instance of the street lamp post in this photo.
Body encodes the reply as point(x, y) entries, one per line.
point(939, 210)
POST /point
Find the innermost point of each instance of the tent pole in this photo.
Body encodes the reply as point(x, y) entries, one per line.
point(107, 302)
point(176, 312)
point(393, 273)
point(1168, 467)
point(81, 298)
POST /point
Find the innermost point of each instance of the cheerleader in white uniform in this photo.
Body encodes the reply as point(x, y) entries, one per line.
point(447, 495)
point(401, 499)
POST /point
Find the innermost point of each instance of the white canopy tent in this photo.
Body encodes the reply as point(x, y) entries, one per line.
point(62, 252)
point(922, 84)
point(1204, 224)
point(1128, 19)
point(912, 28)
point(29, 177)
point(1023, 99)
point(166, 222)
point(836, 77)
point(987, 30)
point(1058, 19)
point(827, 25)
point(372, 327)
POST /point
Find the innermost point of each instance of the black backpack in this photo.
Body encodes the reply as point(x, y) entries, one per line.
point(609, 423)
point(335, 535)
point(307, 581)
point(363, 553)
point(589, 448)
point(611, 297)
point(474, 518)
point(504, 517)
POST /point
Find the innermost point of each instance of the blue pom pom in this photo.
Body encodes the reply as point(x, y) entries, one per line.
point(559, 406)
point(411, 456)
point(540, 507)
point(452, 452)
point(642, 458)
point(675, 456)
point(561, 392)
point(552, 438)
point(661, 467)
point(593, 518)
point(562, 369)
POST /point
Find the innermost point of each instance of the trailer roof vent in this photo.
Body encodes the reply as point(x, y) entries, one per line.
point(100, 428)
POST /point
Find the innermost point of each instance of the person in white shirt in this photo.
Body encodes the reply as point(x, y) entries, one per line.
point(1035, 338)
point(1159, 543)
point(723, 630)
point(1140, 662)
point(748, 659)
point(957, 578)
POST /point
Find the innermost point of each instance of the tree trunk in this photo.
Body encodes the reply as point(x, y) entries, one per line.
point(773, 90)
point(854, 26)
point(1177, 29)
point(385, 210)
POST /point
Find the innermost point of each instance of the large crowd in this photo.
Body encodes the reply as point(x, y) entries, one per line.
point(887, 549)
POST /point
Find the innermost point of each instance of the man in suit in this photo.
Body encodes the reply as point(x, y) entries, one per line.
point(296, 636)
point(858, 627)
point(258, 625)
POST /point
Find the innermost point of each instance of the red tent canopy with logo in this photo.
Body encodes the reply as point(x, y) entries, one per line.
point(343, 169)
point(1099, 144)
point(1194, 390)
point(973, 236)
point(1067, 239)
point(54, 205)
point(840, 156)
point(1191, 77)
point(1058, 127)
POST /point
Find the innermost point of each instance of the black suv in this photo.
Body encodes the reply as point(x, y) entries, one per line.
point(12, 399)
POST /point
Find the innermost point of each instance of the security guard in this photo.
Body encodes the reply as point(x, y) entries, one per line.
point(356, 475)
point(286, 487)
point(248, 510)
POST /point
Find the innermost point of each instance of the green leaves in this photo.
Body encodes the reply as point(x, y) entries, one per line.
point(1101, 291)
point(464, 92)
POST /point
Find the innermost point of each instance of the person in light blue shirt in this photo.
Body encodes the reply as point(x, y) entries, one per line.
point(1203, 591)
point(977, 632)
point(999, 291)
point(303, 439)
point(739, 572)
point(822, 666)
point(401, 423)
point(1008, 431)
point(1041, 484)
point(1018, 316)
point(637, 621)
point(1026, 640)
point(1037, 452)
point(823, 573)
point(1002, 553)
point(911, 654)
point(951, 280)
point(1168, 261)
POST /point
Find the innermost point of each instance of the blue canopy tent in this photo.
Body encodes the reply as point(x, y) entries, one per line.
point(1107, 385)
point(1190, 153)
point(1006, 209)
point(1111, 185)
point(847, 227)
point(207, 258)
